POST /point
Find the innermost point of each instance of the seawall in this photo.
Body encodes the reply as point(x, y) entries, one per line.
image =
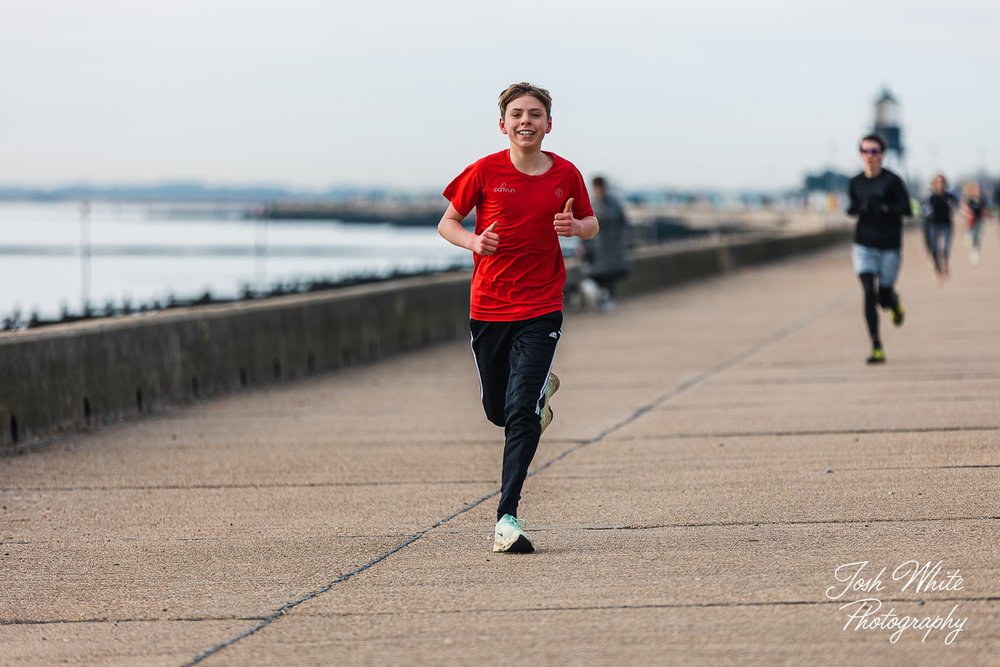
point(74, 377)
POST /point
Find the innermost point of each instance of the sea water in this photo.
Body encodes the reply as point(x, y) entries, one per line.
point(55, 257)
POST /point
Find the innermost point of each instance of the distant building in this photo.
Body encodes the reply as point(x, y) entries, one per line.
point(828, 181)
point(887, 123)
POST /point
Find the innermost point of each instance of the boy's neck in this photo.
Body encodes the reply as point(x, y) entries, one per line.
point(872, 172)
point(531, 162)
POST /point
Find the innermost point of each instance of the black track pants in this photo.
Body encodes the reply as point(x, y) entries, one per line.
point(514, 360)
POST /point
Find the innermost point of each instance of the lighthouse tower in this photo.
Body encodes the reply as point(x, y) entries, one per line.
point(887, 124)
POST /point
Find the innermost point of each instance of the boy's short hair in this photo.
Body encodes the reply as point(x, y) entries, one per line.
point(599, 182)
point(516, 90)
point(877, 138)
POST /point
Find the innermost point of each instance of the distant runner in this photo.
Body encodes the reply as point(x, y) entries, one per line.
point(879, 198)
point(938, 224)
point(974, 211)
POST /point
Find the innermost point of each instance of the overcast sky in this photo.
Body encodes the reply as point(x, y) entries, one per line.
point(309, 94)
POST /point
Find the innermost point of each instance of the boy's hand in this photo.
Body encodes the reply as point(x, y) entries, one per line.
point(487, 242)
point(564, 223)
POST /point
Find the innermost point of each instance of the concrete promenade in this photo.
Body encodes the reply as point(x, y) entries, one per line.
point(720, 455)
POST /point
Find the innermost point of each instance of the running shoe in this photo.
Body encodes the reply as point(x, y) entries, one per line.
point(551, 387)
point(878, 356)
point(974, 257)
point(509, 537)
point(898, 314)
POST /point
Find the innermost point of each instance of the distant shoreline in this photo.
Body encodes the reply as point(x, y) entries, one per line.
point(394, 213)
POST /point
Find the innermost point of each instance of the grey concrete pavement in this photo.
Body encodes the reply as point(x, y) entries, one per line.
point(718, 452)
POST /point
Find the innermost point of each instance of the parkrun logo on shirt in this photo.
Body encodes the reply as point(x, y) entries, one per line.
point(503, 188)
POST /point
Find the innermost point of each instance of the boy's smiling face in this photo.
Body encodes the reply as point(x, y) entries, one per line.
point(525, 122)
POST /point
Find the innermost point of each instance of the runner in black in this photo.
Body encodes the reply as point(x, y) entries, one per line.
point(938, 224)
point(879, 198)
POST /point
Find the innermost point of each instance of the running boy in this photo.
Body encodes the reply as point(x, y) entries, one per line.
point(879, 198)
point(525, 199)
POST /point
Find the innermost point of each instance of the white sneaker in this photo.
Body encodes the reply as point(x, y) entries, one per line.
point(591, 292)
point(974, 257)
point(551, 387)
point(509, 537)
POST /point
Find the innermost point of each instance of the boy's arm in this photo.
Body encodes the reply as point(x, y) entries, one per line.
point(588, 227)
point(451, 229)
point(566, 225)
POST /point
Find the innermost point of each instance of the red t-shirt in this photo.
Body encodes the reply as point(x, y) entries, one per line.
point(526, 275)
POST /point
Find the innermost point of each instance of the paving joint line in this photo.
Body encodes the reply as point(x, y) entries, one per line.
point(225, 487)
point(698, 379)
point(73, 621)
point(666, 605)
point(809, 522)
point(954, 466)
point(779, 434)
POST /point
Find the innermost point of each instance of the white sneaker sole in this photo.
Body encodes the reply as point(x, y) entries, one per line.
point(520, 545)
point(552, 386)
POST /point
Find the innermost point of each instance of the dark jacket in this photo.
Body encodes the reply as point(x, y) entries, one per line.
point(880, 203)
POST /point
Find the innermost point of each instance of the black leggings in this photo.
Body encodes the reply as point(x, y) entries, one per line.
point(514, 360)
point(874, 297)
